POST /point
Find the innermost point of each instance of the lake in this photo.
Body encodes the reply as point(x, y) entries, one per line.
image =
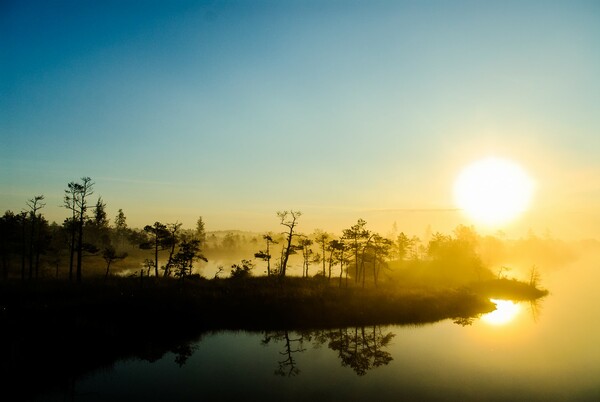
point(546, 352)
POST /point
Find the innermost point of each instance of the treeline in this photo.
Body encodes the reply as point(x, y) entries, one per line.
point(31, 247)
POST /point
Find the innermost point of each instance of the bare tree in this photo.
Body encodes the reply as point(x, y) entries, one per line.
point(288, 219)
point(76, 200)
point(34, 204)
point(71, 194)
point(85, 190)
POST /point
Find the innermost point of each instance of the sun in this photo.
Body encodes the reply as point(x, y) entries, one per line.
point(506, 311)
point(493, 191)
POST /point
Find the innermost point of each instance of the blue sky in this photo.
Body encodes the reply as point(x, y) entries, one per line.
point(233, 110)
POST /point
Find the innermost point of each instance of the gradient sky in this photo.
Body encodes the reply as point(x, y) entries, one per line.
point(342, 109)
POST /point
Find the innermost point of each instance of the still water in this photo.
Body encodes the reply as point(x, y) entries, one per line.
point(547, 352)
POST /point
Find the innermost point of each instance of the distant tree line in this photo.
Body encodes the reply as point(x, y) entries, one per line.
point(28, 241)
point(357, 257)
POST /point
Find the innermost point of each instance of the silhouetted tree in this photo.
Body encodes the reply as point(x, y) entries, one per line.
point(231, 241)
point(22, 218)
point(242, 270)
point(34, 204)
point(307, 254)
point(288, 219)
point(321, 238)
point(201, 232)
point(59, 241)
point(10, 242)
point(171, 241)
point(109, 254)
point(70, 196)
point(356, 236)
point(183, 261)
point(76, 199)
point(403, 245)
point(381, 250)
point(534, 276)
point(366, 246)
point(121, 227)
point(266, 255)
point(158, 237)
point(337, 249)
point(148, 265)
point(98, 227)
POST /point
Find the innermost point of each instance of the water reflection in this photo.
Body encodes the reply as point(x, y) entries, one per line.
point(360, 348)
point(291, 346)
point(506, 311)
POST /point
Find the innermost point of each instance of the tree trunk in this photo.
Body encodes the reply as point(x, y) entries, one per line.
point(356, 277)
point(31, 245)
point(107, 269)
point(155, 255)
point(341, 270)
point(23, 250)
point(287, 252)
point(330, 262)
point(268, 260)
point(79, 248)
point(169, 261)
point(72, 253)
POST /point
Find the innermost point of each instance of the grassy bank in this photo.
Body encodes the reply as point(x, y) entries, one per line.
point(251, 303)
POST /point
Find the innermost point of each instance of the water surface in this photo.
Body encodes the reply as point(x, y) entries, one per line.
point(544, 352)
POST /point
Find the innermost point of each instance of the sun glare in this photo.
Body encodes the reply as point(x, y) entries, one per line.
point(505, 312)
point(493, 191)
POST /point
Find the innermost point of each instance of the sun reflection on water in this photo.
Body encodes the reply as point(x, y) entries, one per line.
point(506, 311)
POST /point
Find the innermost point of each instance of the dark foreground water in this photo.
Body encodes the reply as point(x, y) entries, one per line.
point(548, 352)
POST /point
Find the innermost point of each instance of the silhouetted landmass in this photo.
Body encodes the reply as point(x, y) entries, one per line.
point(56, 331)
point(508, 289)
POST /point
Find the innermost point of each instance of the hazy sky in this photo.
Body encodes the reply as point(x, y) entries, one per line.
point(342, 109)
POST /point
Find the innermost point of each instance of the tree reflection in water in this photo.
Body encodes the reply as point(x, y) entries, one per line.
point(360, 348)
point(287, 366)
point(183, 352)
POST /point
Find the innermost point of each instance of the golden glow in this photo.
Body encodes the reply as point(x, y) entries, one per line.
point(505, 312)
point(493, 191)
